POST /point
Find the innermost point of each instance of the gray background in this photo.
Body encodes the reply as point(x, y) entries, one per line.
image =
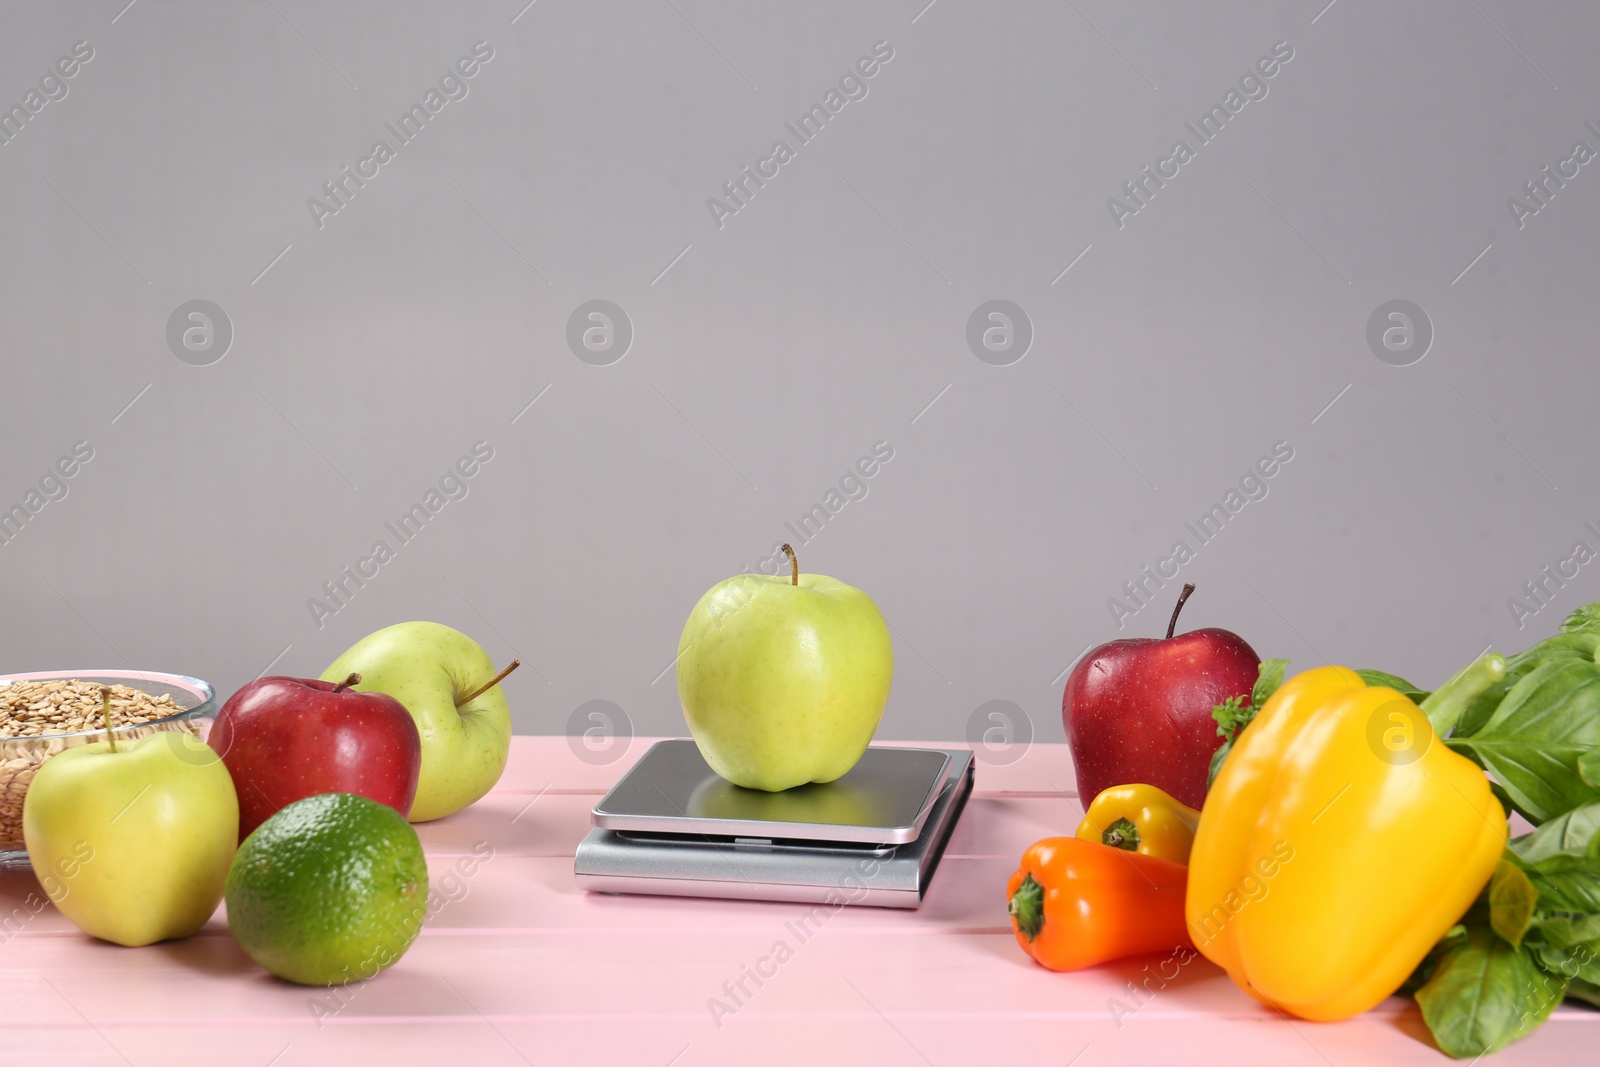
point(770, 354)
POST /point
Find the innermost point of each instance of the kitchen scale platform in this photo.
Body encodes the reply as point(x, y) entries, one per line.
point(674, 827)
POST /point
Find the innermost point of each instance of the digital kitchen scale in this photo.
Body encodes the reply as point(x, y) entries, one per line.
point(674, 827)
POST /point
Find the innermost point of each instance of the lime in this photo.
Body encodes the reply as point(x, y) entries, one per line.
point(331, 889)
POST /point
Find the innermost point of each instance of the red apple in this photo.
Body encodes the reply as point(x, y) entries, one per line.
point(1139, 709)
point(284, 739)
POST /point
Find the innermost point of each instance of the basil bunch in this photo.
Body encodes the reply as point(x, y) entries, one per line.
point(1533, 937)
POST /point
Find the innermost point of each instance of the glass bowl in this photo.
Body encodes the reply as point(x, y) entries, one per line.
point(21, 757)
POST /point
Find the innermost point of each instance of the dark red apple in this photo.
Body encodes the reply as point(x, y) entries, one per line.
point(284, 739)
point(1139, 709)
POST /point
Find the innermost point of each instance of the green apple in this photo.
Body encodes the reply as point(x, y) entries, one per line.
point(135, 836)
point(448, 684)
point(783, 678)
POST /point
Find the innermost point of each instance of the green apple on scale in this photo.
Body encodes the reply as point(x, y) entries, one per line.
point(147, 827)
point(783, 678)
point(448, 683)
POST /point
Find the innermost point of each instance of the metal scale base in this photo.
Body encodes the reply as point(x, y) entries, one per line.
point(673, 827)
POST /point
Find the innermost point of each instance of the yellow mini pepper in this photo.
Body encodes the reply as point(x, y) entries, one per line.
point(1340, 840)
point(1141, 818)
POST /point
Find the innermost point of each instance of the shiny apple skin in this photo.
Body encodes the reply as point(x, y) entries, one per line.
point(284, 739)
point(1139, 710)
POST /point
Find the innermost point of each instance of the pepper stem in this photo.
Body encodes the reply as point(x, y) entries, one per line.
point(105, 711)
point(348, 682)
point(1027, 907)
point(1122, 834)
point(794, 565)
point(490, 684)
point(1188, 587)
point(1445, 705)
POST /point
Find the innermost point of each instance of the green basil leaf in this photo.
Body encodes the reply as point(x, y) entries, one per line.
point(1576, 646)
point(1577, 961)
point(1268, 679)
point(1572, 833)
point(1233, 715)
point(1393, 681)
point(1511, 901)
point(1484, 994)
point(1534, 740)
point(1558, 862)
point(1565, 931)
point(1554, 865)
point(1216, 761)
point(1585, 618)
point(1581, 644)
point(1566, 885)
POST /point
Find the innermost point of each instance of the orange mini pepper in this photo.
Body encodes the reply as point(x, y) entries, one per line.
point(1076, 903)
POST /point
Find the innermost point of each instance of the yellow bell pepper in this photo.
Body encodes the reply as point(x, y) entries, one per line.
point(1340, 840)
point(1141, 818)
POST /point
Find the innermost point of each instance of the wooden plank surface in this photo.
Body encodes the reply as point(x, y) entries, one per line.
point(519, 966)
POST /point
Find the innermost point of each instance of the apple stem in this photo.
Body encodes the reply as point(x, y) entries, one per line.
point(1188, 587)
point(348, 682)
point(105, 710)
point(794, 565)
point(490, 684)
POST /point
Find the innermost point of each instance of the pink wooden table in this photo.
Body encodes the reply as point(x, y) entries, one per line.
point(521, 967)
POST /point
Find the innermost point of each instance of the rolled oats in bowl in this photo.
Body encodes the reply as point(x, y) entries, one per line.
point(46, 712)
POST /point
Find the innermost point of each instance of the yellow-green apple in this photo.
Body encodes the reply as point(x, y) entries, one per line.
point(783, 678)
point(448, 683)
point(152, 825)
